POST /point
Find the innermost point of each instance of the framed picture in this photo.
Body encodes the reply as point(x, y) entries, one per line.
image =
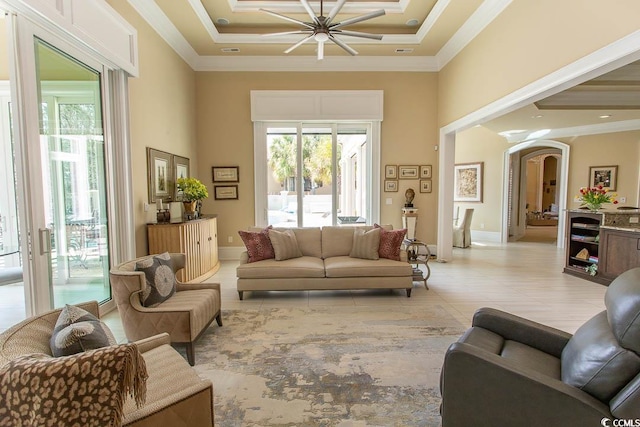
point(425, 171)
point(225, 173)
point(225, 192)
point(180, 170)
point(408, 172)
point(425, 186)
point(468, 182)
point(391, 172)
point(390, 185)
point(159, 175)
point(606, 176)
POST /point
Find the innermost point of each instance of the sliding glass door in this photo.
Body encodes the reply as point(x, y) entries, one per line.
point(317, 174)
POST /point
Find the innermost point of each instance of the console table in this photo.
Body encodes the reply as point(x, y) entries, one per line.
point(198, 239)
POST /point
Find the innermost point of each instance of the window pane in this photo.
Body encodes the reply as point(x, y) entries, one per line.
point(281, 180)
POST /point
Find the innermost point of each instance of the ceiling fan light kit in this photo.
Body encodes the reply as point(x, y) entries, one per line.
point(322, 29)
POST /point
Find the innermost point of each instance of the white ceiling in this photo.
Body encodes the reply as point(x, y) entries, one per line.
point(226, 35)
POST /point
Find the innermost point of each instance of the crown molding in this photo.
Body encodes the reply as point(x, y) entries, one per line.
point(311, 64)
point(599, 128)
point(483, 16)
point(294, 6)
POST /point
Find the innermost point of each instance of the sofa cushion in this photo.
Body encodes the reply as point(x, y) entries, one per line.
point(593, 360)
point(284, 244)
point(345, 266)
point(336, 241)
point(309, 240)
point(77, 330)
point(160, 277)
point(390, 242)
point(622, 300)
point(302, 267)
point(365, 244)
point(258, 244)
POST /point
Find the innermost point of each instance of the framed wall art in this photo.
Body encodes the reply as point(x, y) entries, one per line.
point(425, 172)
point(225, 173)
point(408, 172)
point(391, 172)
point(425, 186)
point(467, 181)
point(225, 192)
point(390, 186)
point(606, 176)
point(159, 175)
point(180, 170)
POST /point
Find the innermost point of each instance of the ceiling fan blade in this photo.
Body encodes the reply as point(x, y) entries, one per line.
point(335, 11)
point(359, 34)
point(320, 50)
point(343, 45)
point(287, 33)
point(301, 42)
point(357, 19)
point(286, 18)
point(310, 11)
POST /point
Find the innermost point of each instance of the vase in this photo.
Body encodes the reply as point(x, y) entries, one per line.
point(594, 207)
point(189, 207)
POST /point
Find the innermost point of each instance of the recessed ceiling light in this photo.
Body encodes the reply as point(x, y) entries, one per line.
point(604, 116)
point(230, 49)
point(222, 21)
point(537, 116)
point(412, 22)
point(404, 50)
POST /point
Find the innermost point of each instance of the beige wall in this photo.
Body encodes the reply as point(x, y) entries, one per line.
point(529, 40)
point(4, 55)
point(162, 104)
point(225, 135)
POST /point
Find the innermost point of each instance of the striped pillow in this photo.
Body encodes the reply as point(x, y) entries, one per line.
point(365, 244)
point(285, 244)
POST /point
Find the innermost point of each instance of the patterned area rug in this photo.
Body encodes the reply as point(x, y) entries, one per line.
point(339, 366)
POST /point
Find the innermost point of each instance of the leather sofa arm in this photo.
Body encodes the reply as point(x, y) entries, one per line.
point(512, 327)
point(483, 389)
point(155, 341)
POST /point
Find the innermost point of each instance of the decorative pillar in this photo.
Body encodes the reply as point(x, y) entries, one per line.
point(409, 221)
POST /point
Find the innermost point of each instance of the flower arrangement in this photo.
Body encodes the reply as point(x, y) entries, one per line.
point(192, 189)
point(594, 197)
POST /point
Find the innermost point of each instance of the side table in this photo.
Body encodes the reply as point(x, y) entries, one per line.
point(416, 258)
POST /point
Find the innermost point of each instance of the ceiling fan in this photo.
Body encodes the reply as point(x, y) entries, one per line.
point(322, 29)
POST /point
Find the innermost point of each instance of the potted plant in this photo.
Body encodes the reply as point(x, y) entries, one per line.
point(192, 191)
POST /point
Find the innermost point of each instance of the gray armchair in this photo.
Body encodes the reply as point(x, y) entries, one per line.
point(184, 316)
point(509, 371)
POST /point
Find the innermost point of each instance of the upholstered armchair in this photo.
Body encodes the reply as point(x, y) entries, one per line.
point(509, 371)
point(184, 316)
point(462, 230)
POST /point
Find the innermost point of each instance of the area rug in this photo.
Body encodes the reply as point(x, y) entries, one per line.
point(337, 366)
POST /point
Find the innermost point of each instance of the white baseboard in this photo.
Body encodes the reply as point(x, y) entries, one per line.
point(227, 253)
point(485, 236)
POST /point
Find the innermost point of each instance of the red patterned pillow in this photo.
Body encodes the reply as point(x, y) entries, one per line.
point(390, 242)
point(258, 244)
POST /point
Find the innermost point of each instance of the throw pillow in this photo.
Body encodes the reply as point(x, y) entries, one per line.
point(284, 244)
point(365, 244)
point(390, 242)
point(160, 278)
point(258, 244)
point(77, 330)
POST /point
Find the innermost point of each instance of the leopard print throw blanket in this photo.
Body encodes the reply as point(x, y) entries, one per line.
point(85, 389)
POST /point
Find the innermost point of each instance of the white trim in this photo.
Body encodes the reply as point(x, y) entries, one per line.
point(230, 253)
point(260, 185)
point(485, 236)
point(294, 6)
point(599, 128)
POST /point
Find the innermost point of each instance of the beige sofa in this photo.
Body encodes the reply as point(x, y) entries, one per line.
point(175, 396)
point(325, 265)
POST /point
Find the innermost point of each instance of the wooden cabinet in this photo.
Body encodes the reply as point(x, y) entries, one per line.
point(620, 252)
point(583, 245)
point(197, 239)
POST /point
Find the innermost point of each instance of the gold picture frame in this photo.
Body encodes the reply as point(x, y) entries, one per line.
point(390, 186)
point(225, 192)
point(181, 169)
point(225, 173)
point(391, 172)
point(425, 171)
point(425, 186)
point(408, 172)
point(467, 182)
point(159, 175)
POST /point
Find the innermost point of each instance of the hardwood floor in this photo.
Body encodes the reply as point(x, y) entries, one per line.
point(523, 278)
